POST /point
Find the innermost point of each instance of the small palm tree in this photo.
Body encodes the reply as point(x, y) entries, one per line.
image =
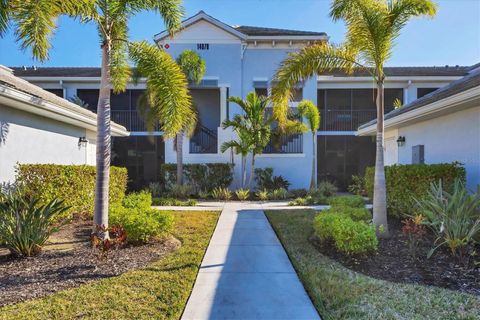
point(193, 66)
point(253, 128)
point(310, 112)
point(372, 27)
point(34, 22)
point(242, 146)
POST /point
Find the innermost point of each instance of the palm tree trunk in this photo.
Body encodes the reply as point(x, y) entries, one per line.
point(379, 187)
point(252, 171)
point(244, 170)
point(179, 142)
point(312, 180)
point(103, 145)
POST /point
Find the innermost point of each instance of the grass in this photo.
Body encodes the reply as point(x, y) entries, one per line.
point(159, 291)
point(339, 293)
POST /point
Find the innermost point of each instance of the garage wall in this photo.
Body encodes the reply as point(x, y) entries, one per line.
point(28, 138)
point(453, 137)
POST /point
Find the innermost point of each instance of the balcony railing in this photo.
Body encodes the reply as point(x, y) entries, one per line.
point(204, 140)
point(131, 120)
point(346, 120)
point(287, 144)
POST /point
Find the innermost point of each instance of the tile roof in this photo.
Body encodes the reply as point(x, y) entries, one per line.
point(390, 71)
point(470, 81)
point(261, 31)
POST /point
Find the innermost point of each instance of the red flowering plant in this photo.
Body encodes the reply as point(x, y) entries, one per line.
point(414, 230)
point(117, 238)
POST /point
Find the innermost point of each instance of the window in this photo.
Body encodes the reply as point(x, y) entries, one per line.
point(261, 92)
point(424, 91)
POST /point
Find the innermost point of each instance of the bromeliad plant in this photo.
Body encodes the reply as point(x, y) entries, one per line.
point(25, 224)
point(453, 216)
point(372, 28)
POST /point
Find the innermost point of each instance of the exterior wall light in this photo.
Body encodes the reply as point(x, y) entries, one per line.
point(401, 141)
point(82, 141)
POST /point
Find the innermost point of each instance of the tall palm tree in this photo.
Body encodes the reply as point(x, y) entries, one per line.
point(372, 28)
point(34, 22)
point(309, 111)
point(193, 66)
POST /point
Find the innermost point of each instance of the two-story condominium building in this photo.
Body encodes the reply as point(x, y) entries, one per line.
point(241, 59)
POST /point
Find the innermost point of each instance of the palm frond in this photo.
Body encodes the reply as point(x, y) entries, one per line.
point(120, 71)
point(166, 87)
point(5, 12)
point(300, 66)
point(192, 65)
point(309, 111)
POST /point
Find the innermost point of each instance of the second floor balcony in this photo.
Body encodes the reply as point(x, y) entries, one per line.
point(131, 120)
point(345, 120)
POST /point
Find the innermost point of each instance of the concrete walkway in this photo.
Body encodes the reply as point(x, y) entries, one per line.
point(246, 273)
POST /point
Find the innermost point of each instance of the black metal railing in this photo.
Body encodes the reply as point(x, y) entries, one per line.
point(286, 144)
point(346, 120)
point(131, 120)
point(204, 140)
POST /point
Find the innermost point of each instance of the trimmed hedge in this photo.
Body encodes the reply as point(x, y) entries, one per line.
point(75, 184)
point(202, 177)
point(404, 182)
point(347, 201)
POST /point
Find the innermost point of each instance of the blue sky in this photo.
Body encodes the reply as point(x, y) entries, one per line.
point(452, 37)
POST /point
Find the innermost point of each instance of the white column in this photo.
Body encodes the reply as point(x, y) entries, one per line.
point(223, 104)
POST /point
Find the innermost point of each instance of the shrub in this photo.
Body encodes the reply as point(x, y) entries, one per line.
point(404, 182)
point(173, 202)
point(298, 202)
point(155, 189)
point(75, 184)
point(348, 236)
point(309, 200)
point(221, 194)
point(326, 188)
point(262, 195)
point(453, 216)
point(298, 193)
point(347, 201)
point(141, 200)
point(25, 225)
point(356, 214)
point(242, 194)
point(202, 177)
point(279, 194)
point(180, 191)
point(267, 181)
point(358, 186)
point(141, 225)
point(203, 194)
point(414, 230)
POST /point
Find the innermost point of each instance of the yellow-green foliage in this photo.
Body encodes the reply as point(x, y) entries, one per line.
point(406, 182)
point(75, 184)
point(242, 194)
point(347, 201)
point(141, 200)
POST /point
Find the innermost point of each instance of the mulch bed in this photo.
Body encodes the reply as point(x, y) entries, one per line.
point(69, 261)
point(394, 262)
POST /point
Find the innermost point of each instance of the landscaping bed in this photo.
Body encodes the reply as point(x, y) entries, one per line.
point(342, 293)
point(68, 261)
point(394, 261)
point(158, 291)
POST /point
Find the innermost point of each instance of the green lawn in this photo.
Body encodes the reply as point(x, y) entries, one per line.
point(339, 293)
point(160, 291)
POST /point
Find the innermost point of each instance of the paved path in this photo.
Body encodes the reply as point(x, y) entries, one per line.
point(246, 273)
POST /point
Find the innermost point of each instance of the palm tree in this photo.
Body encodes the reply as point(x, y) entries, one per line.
point(34, 22)
point(309, 111)
point(253, 128)
point(193, 66)
point(372, 28)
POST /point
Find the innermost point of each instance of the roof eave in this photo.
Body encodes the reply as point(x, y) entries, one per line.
point(446, 105)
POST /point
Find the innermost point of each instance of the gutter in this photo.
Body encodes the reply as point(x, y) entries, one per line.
point(81, 118)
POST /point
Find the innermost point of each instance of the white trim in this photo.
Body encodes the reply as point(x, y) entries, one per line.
point(429, 111)
point(288, 38)
point(198, 17)
point(336, 133)
point(352, 78)
point(281, 155)
point(79, 117)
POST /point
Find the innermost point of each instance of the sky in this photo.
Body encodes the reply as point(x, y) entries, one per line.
point(452, 37)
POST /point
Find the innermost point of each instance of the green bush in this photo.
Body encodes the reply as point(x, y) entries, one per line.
point(347, 201)
point(202, 177)
point(25, 225)
point(279, 194)
point(75, 184)
point(262, 195)
point(173, 202)
point(140, 200)
point(180, 191)
point(309, 200)
point(358, 186)
point(221, 194)
point(141, 225)
point(267, 181)
point(405, 182)
point(453, 216)
point(356, 214)
point(348, 236)
point(242, 194)
point(326, 188)
point(298, 193)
